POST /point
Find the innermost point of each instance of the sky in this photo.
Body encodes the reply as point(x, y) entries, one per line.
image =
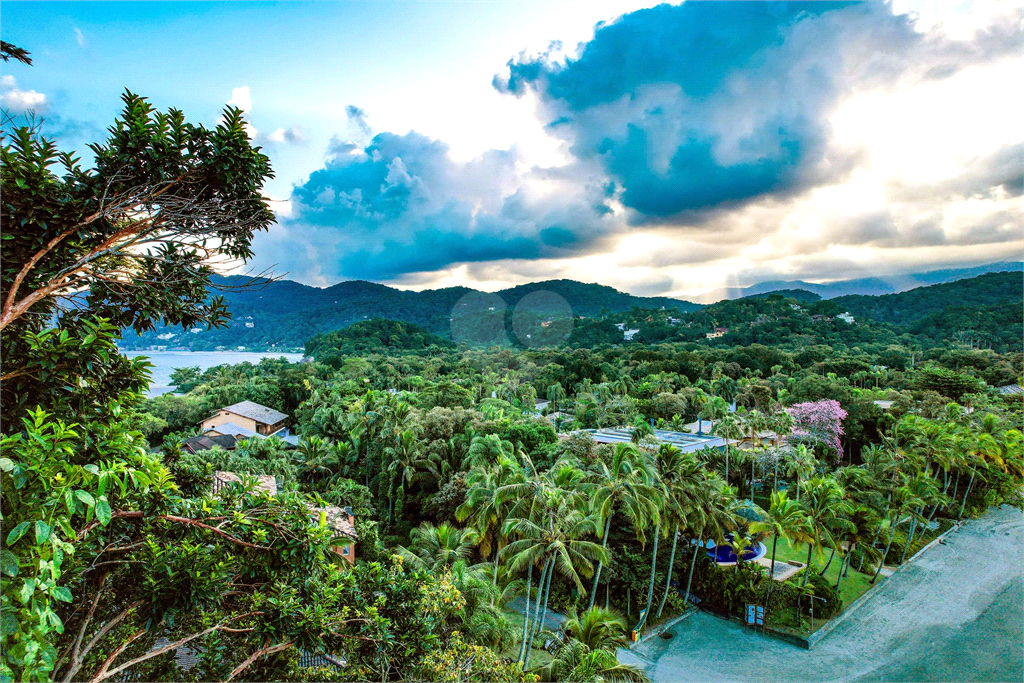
point(659, 149)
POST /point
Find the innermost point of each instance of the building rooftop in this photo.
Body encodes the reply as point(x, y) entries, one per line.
point(204, 442)
point(254, 411)
point(681, 440)
point(337, 518)
point(265, 483)
point(1011, 389)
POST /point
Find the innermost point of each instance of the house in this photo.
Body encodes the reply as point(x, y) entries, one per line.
point(820, 318)
point(628, 335)
point(1011, 390)
point(719, 332)
point(684, 442)
point(343, 523)
point(846, 318)
point(539, 406)
point(265, 482)
point(341, 520)
point(253, 417)
point(205, 442)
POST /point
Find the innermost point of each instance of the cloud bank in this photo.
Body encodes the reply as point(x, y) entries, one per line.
point(753, 137)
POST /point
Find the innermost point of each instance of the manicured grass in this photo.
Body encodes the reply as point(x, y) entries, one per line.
point(538, 655)
point(854, 584)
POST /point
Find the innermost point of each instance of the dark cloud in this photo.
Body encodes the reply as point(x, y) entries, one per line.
point(402, 205)
point(711, 104)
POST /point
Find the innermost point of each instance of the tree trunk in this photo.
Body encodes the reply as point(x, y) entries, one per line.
point(668, 581)
point(910, 538)
point(650, 584)
point(494, 578)
point(829, 563)
point(807, 569)
point(597, 574)
point(753, 461)
point(547, 594)
point(693, 563)
point(526, 614)
point(892, 532)
point(727, 462)
point(536, 611)
point(967, 492)
point(956, 487)
point(775, 542)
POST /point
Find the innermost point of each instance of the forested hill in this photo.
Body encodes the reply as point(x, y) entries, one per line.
point(284, 314)
point(988, 290)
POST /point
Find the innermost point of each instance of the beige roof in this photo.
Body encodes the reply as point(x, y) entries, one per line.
point(266, 482)
point(254, 411)
point(337, 519)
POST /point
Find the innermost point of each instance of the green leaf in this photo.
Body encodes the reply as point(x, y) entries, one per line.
point(8, 563)
point(6, 464)
point(17, 532)
point(42, 532)
point(85, 497)
point(26, 591)
point(103, 511)
point(61, 593)
point(92, 468)
point(8, 622)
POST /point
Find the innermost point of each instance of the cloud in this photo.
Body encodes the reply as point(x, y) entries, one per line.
point(241, 98)
point(357, 117)
point(18, 101)
point(80, 37)
point(292, 136)
point(401, 205)
point(701, 140)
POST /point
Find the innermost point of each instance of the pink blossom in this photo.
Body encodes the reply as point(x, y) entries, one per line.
point(819, 423)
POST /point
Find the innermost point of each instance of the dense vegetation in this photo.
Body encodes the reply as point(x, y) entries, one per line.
point(476, 516)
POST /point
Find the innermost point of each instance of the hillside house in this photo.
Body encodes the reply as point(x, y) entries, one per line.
point(719, 332)
point(250, 416)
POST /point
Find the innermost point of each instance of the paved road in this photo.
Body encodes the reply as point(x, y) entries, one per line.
point(956, 614)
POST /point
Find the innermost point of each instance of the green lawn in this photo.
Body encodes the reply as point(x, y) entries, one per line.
point(538, 655)
point(854, 584)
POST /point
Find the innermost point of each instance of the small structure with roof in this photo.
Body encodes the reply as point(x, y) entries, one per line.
point(681, 440)
point(249, 415)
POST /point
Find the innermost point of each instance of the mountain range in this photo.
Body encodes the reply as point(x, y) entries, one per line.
point(871, 286)
point(282, 314)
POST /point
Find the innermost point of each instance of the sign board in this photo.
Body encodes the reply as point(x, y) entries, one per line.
point(759, 617)
point(750, 614)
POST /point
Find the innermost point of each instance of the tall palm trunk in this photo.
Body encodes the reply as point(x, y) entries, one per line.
point(526, 614)
point(910, 537)
point(753, 461)
point(536, 611)
point(829, 563)
point(597, 574)
point(807, 569)
point(881, 561)
point(650, 584)
point(775, 542)
point(547, 594)
point(956, 487)
point(689, 580)
point(668, 580)
point(967, 492)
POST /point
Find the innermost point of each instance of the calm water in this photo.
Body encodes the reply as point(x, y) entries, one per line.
point(164, 362)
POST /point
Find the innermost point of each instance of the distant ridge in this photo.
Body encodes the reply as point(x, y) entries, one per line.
point(284, 314)
point(872, 286)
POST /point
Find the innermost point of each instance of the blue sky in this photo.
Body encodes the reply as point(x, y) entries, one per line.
point(662, 150)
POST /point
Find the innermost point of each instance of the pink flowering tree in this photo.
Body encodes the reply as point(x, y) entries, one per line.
point(818, 423)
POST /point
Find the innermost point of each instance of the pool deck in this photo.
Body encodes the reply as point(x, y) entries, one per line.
point(955, 614)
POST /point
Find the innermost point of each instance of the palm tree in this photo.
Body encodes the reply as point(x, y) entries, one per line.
point(782, 424)
point(784, 518)
point(728, 427)
point(484, 508)
point(598, 629)
point(407, 463)
point(621, 483)
point(433, 548)
point(680, 473)
point(317, 458)
point(574, 661)
point(709, 516)
point(826, 508)
point(903, 502)
point(800, 462)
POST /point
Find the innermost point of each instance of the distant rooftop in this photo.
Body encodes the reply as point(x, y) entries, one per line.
point(254, 411)
point(1011, 389)
point(681, 440)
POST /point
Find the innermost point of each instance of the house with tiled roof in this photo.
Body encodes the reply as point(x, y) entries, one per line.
point(255, 418)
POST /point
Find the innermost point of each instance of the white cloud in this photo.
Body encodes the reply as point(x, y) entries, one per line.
point(241, 98)
point(80, 37)
point(291, 135)
point(18, 101)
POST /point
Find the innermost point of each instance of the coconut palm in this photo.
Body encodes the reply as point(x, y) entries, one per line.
point(729, 428)
point(800, 463)
point(317, 459)
point(407, 463)
point(598, 629)
point(785, 518)
point(710, 516)
point(483, 507)
point(621, 484)
point(436, 547)
point(574, 661)
point(680, 474)
point(825, 507)
point(901, 507)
